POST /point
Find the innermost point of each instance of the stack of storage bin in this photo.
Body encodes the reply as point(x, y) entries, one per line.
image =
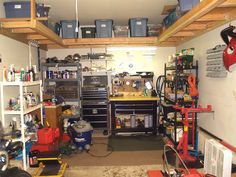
point(121, 31)
point(104, 28)
point(88, 32)
point(21, 9)
point(69, 29)
point(138, 27)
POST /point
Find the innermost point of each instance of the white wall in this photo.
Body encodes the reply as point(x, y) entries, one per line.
point(122, 59)
point(17, 53)
point(2, 11)
point(220, 93)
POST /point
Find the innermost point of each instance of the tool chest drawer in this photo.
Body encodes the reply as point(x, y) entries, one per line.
point(94, 111)
point(133, 116)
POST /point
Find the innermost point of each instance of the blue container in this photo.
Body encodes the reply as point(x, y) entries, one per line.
point(68, 29)
point(27, 148)
point(84, 138)
point(186, 5)
point(104, 28)
point(138, 27)
point(171, 18)
point(56, 28)
point(21, 9)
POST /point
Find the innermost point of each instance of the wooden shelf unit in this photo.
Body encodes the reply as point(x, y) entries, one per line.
point(206, 16)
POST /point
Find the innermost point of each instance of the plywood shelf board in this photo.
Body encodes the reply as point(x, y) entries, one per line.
point(23, 30)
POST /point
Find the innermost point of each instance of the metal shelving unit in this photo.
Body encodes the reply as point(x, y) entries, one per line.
point(22, 87)
point(168, 103)
point(75, 81)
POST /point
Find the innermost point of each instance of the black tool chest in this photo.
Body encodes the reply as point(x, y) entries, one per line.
point(95, 106)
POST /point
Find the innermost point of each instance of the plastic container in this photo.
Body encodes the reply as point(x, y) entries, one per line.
point(21, 9)
point(81, 134)
point(28, 146)
point(104, 28)
point(45, 147)
point(171, 18)
point(88, 32)
point(68, 29)
point(47, 135)
point(121, 31)
point(138, 27)
point(186, 5)
point(154, 30)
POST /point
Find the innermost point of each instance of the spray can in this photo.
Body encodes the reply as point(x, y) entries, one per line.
point(150, 121)
point(4, 74)
point(146, 121)
point(22, 74)
point(132, 121)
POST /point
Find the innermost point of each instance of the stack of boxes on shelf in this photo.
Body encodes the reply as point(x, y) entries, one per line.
point(21, 9)
point(104, 28)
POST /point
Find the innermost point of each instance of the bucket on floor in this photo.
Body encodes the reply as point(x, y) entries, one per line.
point(81, 134)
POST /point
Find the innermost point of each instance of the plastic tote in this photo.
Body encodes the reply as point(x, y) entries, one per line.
point(21, 9)
point(138, 27)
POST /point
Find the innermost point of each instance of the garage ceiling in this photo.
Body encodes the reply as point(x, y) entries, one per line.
point(118, 10)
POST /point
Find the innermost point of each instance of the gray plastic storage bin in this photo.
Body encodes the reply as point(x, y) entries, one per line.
point(186, 5)
point(138, 27)
point(68, 29)
point(21, 9)
point(103, 28)
point(88, 32)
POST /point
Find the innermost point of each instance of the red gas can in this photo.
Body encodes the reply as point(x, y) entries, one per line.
point(47, 135)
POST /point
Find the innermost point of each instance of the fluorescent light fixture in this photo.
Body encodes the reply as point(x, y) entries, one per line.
point(113, 49)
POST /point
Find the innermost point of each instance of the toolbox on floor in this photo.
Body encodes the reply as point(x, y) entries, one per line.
point(68, 28)
point(21, 9)
point(121, 31)
point(186, 5)
point(104, 28)
point(138, 27)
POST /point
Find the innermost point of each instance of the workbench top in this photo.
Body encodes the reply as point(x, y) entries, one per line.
point(134, 98)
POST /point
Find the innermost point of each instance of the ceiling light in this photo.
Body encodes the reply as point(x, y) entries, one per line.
point(126, 49)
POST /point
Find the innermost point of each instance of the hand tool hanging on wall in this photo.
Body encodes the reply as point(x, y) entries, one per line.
point(229, 55)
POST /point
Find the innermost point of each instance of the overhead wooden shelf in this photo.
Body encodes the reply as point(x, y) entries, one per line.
point(104, 42)
point(207, 15)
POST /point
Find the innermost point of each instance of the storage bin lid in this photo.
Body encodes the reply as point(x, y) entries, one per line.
point(139, 18)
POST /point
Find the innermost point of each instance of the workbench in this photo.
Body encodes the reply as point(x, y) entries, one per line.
point(142, 109)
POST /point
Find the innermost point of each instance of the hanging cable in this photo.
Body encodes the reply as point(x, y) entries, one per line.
point(77, 18)
point(31, 44)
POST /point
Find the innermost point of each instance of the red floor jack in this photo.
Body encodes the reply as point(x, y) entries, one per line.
point(176, 172)
point(183, 143)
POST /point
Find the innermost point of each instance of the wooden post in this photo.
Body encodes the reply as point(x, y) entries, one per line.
point(32, 10)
